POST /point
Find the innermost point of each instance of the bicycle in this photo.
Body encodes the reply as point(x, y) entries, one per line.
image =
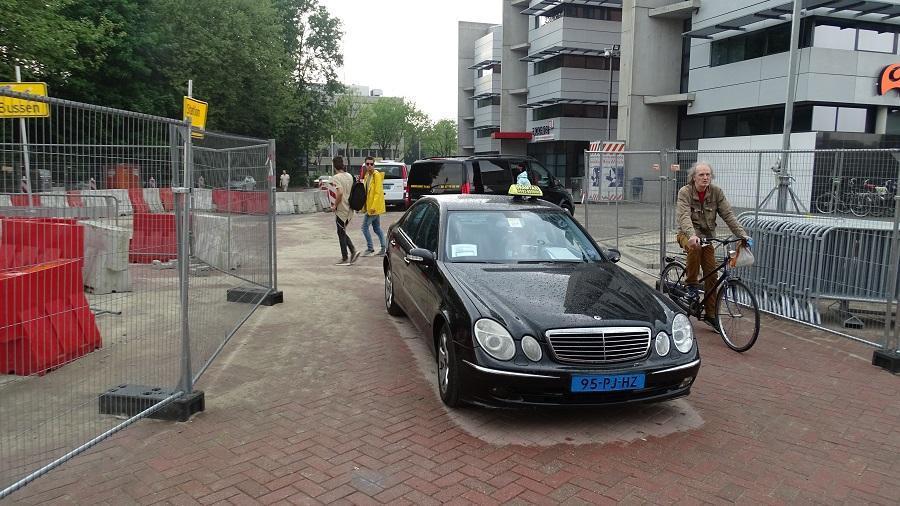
point(737, 312)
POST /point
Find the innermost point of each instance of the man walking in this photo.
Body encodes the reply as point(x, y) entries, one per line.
point(343, 182)
point(285, 180)
point(152, 182)
point(699, 202)
point(374, 208)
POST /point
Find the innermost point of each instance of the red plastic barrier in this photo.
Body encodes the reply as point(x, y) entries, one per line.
point(21, 199)
point(73, 198)
point(220, 199)
point(153, 238)
point(138, 204)
point(167, 198)
point(244, 202)
point(30, 241)
point(45, 321)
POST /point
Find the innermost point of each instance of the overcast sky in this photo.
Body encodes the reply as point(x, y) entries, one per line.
point(407, 48)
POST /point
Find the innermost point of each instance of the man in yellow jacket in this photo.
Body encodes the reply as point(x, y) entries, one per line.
point(374, 207)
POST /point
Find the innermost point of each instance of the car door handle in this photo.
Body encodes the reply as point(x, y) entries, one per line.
point(406, 259)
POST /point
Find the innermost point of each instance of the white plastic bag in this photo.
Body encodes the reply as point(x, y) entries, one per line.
point(743, 257)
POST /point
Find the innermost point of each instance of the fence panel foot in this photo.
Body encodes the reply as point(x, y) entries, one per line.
point(129, 400)
point(885, 359)
point(253, 295)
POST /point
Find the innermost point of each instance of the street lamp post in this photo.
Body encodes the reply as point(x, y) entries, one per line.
point(609, 54)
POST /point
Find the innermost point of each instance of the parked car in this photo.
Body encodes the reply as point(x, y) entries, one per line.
point(321, 181)
point(520, 306)
point(245, 183)
point(395, 174)
point(483, 174)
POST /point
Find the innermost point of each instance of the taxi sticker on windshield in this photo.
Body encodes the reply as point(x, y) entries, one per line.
point(514, 222)
point(464, 250)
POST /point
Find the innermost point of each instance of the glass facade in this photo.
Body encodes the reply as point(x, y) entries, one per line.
point(572, 111)
point(571, 61)
point(578, 11)
point(821, 32)
point(765, 121)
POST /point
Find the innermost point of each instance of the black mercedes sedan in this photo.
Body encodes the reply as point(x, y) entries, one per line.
point(521, 307)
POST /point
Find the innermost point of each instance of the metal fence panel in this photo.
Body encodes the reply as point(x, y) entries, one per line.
point(120, 257)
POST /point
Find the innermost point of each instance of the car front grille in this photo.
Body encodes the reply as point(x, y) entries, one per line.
point(599, 345)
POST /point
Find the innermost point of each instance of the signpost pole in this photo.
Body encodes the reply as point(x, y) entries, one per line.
point(25, 157)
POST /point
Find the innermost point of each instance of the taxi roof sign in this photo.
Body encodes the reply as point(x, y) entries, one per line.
point(525, 190)
point(19, 108)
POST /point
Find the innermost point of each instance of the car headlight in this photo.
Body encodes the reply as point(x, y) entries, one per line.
point(682, 333)
point(532, 348)
point(495, 339)
point(662, 344)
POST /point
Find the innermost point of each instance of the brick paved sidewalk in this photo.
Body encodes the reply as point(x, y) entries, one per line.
point(327, 399)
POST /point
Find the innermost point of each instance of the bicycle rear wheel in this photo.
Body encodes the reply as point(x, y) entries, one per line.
point(738, 315)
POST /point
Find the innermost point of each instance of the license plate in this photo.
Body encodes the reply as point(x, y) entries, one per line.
point(597, 383)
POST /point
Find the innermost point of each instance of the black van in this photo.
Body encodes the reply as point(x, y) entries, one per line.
point(483, 174)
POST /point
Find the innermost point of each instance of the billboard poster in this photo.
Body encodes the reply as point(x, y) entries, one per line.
point(606, 163)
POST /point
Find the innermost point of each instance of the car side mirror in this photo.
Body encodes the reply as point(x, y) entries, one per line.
point(420, 256)
point(614, 255)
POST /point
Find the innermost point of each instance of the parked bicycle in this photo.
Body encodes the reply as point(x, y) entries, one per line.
point(737, 312)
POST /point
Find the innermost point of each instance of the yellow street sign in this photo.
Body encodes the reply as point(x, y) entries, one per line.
point(18, 108)
point(196, 111)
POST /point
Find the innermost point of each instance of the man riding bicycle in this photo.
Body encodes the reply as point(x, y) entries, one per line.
point(699, 202)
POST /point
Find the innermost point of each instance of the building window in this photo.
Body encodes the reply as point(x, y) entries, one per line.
point(487, 102)
point(571, 111)
point(772, 40)
point(578, 11)
point(574, 62)
point(493, 69)
point(871, 40)
point(834, 37)
point(807, 118)
point(485, 132)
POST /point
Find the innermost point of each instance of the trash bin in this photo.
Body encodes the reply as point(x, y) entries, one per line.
point(637, 188)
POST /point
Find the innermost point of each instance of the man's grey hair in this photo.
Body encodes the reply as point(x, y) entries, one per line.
point(693, 171)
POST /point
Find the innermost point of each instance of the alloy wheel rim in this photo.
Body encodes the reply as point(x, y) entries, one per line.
point(443, 363)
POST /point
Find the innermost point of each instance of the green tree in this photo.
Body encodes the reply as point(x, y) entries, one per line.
point(442, 138)
point(417, 125)
point(351, 116)
point(389, 121)
point(47, 42)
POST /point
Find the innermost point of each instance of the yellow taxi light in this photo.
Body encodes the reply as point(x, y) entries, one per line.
point(525, 190)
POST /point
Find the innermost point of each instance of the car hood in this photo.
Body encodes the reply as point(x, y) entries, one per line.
point(547, 296)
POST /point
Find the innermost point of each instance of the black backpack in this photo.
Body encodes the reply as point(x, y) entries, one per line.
point(357, 198)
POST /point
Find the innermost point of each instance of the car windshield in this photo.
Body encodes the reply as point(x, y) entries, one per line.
point(516, 236)
point(391, 171)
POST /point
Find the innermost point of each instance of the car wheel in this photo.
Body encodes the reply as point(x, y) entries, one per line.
point(389, 303)
point(448, 369)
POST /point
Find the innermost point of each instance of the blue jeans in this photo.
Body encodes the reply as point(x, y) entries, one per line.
point(376, 226)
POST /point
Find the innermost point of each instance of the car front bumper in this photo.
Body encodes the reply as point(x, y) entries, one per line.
point(501, 388)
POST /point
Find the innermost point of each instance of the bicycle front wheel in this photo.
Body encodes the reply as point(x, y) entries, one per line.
point(738, 315)
point(826, 203)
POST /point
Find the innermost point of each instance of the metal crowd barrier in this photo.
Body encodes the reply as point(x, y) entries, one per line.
point(802, 260)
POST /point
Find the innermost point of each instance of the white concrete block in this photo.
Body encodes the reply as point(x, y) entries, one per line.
point(151, 196)
point(210, 241)
point(106, 257)
point(284, 203)
point(202, 199)
point(306, 202)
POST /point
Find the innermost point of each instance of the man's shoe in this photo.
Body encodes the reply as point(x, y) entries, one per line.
point(368, 253)
point(343, 261)
point(380, 252)
point(353, 257)
point(712, 322)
